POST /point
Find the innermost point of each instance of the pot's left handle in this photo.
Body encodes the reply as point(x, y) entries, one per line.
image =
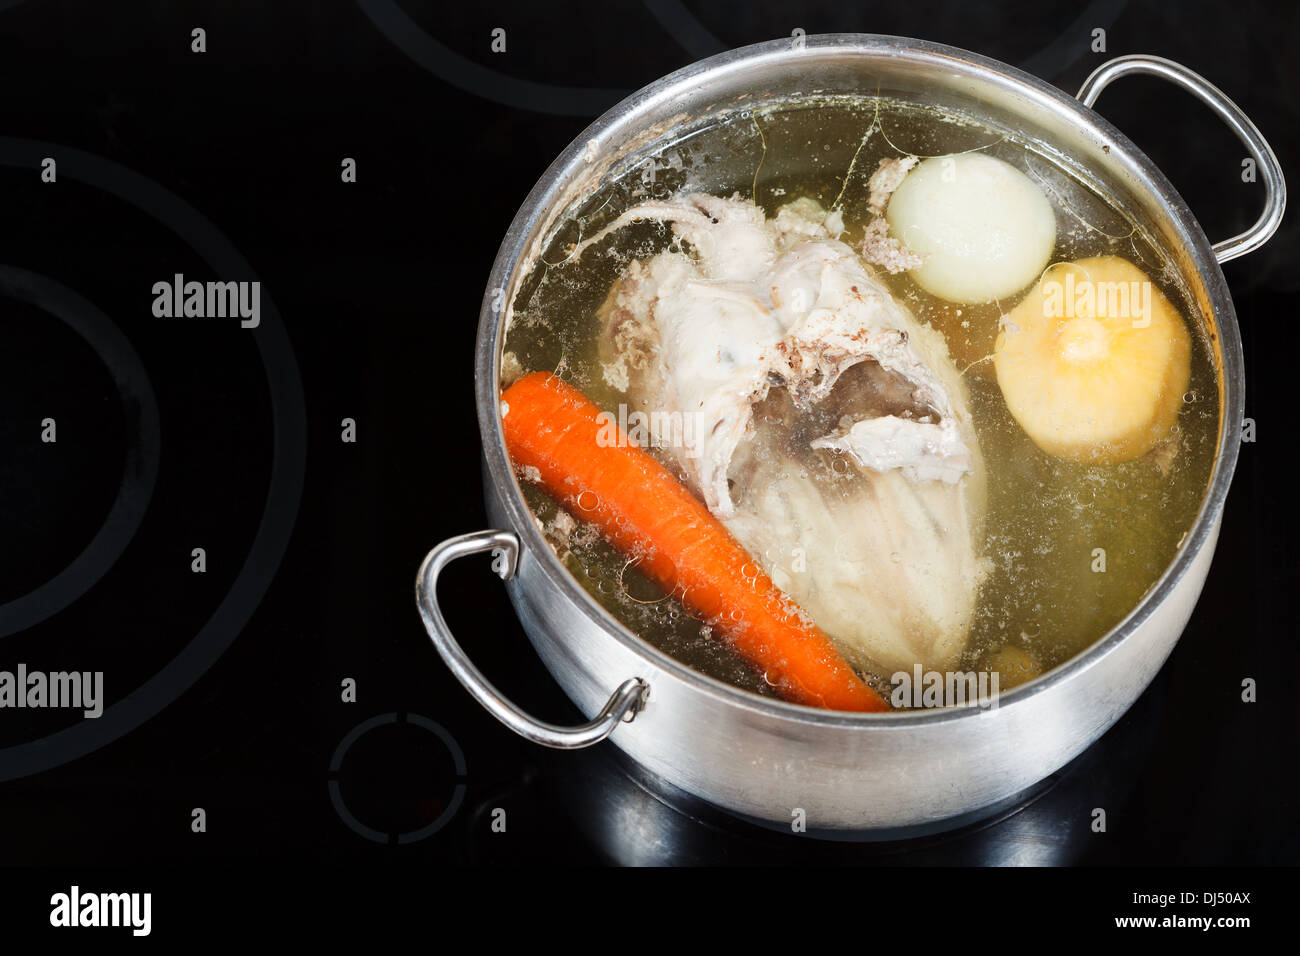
point(1269, 168)
point(623, 705)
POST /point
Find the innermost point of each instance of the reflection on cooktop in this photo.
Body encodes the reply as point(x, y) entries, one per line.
point(627, 818)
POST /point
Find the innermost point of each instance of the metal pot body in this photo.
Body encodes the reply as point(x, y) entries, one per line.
point(780, 762)
point(894, 772)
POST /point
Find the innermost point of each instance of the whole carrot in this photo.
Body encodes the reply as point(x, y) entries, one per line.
point(551, 432)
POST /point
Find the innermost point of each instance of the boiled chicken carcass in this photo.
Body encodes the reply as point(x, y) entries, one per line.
point(813, 415)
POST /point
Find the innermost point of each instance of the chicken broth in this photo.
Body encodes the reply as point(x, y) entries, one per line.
point(1062, 548)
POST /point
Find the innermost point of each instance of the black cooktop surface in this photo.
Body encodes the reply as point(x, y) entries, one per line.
point(201, 534)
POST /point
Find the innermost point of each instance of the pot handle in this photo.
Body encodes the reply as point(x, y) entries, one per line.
point(1230, 113)
point(625, 703)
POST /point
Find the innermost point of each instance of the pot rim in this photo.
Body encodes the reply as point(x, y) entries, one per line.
point(1044, 96)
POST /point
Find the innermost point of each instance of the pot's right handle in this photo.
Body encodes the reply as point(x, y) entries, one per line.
point(623, 705)
point(1230, 113)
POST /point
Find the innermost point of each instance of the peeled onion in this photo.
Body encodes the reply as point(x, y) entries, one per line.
point(984, 229)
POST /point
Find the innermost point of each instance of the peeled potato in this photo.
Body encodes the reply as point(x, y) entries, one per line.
point(984, 229)
point(1094, 362)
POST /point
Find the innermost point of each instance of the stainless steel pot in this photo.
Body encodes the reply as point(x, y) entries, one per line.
point(765, 758)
